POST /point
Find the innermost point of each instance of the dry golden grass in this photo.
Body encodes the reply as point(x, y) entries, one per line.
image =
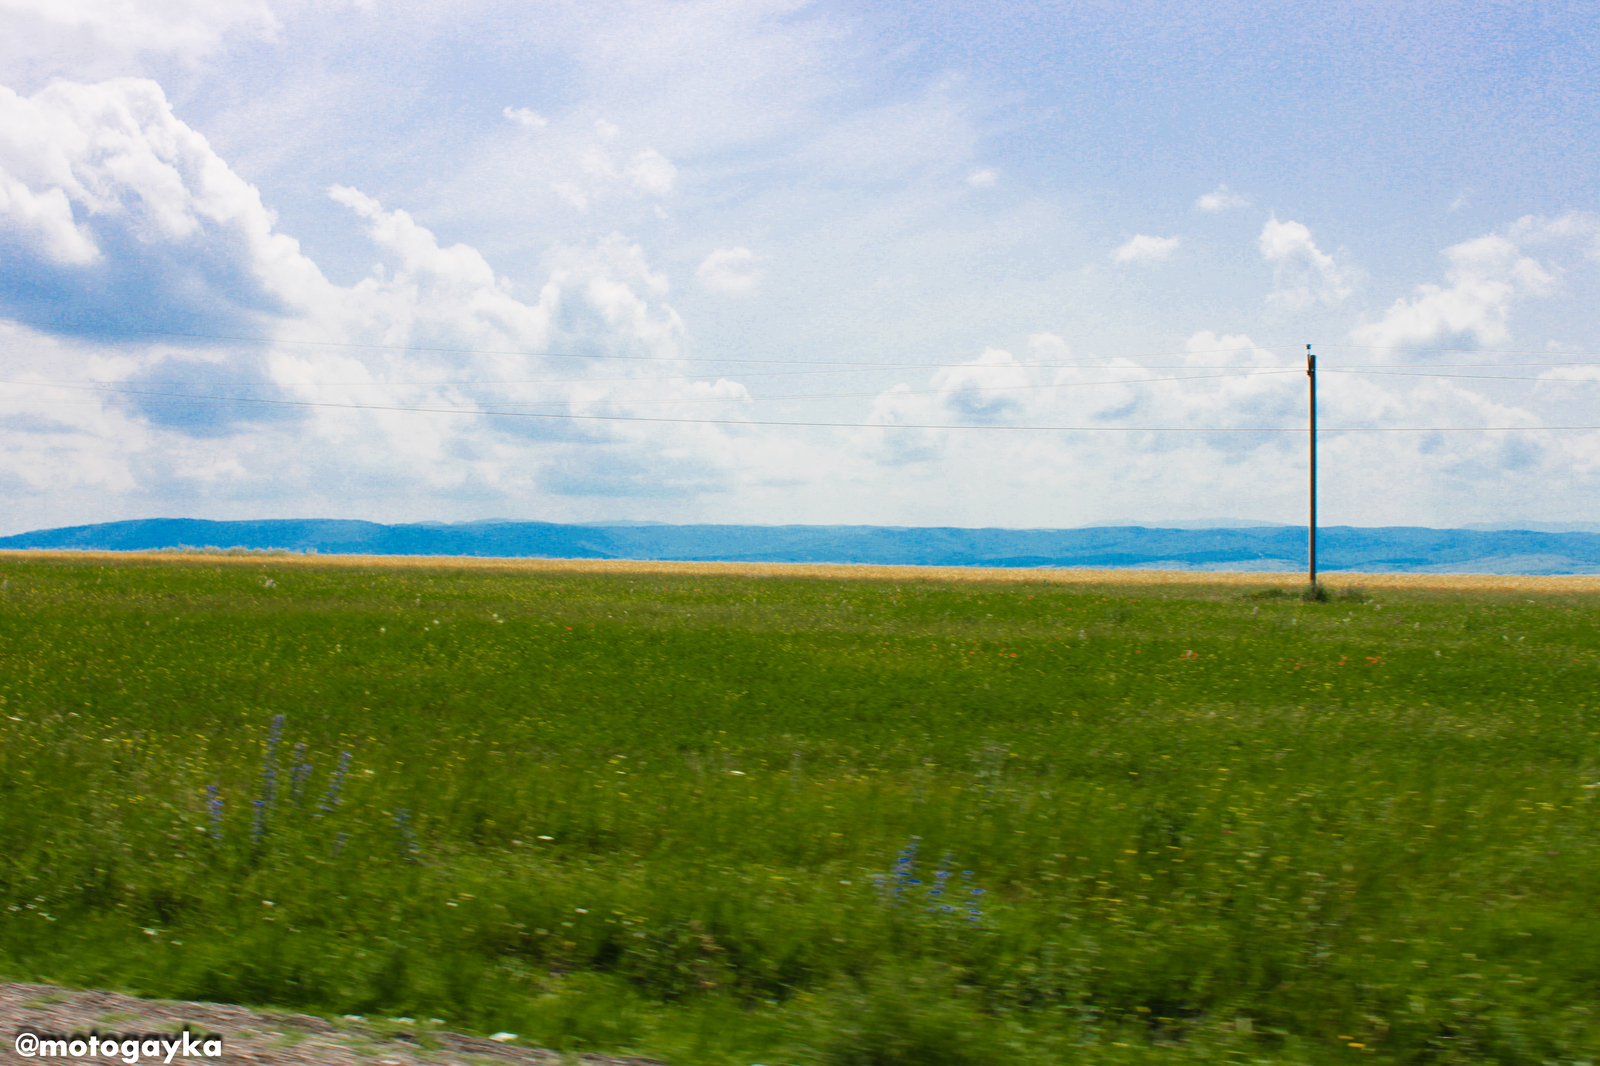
point(1566, 583)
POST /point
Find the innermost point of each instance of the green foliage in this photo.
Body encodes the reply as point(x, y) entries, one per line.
point(904, 1017)
point(806, 821)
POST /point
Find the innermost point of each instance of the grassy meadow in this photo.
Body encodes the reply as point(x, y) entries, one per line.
point(813, 818)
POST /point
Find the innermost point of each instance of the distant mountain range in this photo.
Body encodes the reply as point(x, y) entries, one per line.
point(1262, 547)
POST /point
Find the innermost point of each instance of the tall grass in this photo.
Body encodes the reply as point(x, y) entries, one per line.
point(729, 820)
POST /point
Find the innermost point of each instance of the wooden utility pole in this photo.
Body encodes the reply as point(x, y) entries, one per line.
point(1311, 373)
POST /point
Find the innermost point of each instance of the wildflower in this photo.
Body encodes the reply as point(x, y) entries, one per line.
point(407, 840)
point(269, 780)
point(973, 892)
point(940, 876)
point(905, 866)
point(214, 805)
point(298, 776)
point(330, 801)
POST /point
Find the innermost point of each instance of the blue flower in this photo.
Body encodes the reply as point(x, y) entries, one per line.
point(269, 780)
point(330, 801)
point(214, 805)
point(407, 840)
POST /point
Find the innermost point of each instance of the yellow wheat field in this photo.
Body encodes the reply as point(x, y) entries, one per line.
point(1565, 583)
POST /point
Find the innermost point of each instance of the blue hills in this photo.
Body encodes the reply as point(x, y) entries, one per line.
point(1261, 548)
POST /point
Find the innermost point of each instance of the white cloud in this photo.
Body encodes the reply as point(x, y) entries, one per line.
point(572, 193)
point(45, 217)
point(527, 118)
point(446, 294)
point(985, 389)
point(1538, 230)
point(1221, 198)
point(1486, 278)
point(121, 27)
point(1575, 227)
point(729, 272)
point(1146, 249)
point(983, 179)
point(1047, 347)
point(152, 192)
point(88, 167)
point(591, 167)
point(651, 172)
point(1486, 275)
point(1303, 274)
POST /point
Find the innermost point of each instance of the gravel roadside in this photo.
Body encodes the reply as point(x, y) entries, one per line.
point(257, 1038)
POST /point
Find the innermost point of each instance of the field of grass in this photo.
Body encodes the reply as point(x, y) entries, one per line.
point(820, 818)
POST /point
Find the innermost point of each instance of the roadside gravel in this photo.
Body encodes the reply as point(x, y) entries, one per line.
point(258, 1038)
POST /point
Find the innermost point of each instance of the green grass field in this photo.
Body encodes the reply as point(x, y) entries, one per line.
point(731, 820)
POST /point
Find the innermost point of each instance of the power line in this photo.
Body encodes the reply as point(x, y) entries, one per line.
point(835, 366)
point(992, 427)
point(1225, 372)
point(1466, 366)
point(580, 355)
point(1478, 351)
point(1472, 377)
point(120, 391)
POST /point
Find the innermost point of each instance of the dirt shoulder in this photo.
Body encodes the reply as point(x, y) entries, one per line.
point(254, 1037)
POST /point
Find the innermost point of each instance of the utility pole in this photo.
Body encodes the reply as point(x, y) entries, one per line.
point(1311, 373)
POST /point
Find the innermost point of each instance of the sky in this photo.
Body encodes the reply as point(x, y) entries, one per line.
point(1031, 265)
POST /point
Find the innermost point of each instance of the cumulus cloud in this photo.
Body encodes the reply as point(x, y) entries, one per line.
point(1574, 227)
point(161, 234)
point(1230, 389)
point(44, 219)
point(525, 117)
point(599, 172)
point(981, 390)
point(651, 172)
point(110, 203)
point(1219, 199)
point(1146, 249)
point(729, 272)
point(429, 293)
point(115, 26)
point(1303, 274)
point(1485, 276)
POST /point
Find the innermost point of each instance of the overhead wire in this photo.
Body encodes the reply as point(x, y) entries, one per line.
point(114, 391)
point(577, 355)
point(997, 427)
point(1460, 377)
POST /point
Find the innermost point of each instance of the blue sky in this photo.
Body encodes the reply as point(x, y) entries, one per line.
point(266, 259)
